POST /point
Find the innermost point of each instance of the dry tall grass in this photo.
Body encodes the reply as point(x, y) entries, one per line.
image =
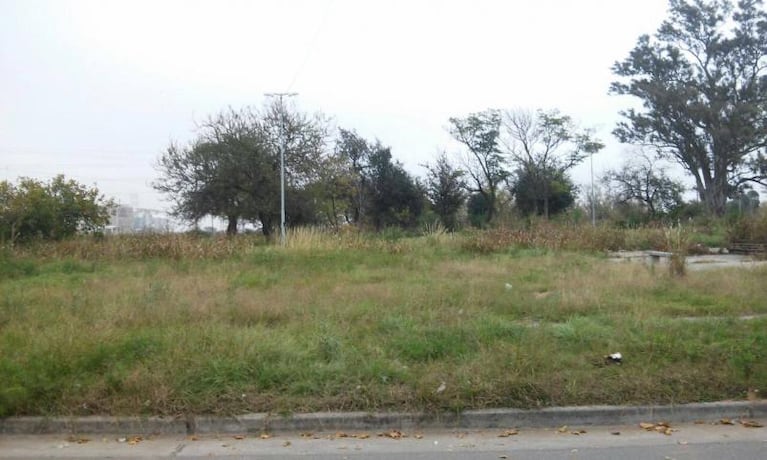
point(349, 322)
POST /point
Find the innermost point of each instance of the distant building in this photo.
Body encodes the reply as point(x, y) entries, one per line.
point(127, 219)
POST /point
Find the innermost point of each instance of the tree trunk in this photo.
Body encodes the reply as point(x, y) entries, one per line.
point(490, 201)
point(714, 196)
point(266, 224)
point(231, 227)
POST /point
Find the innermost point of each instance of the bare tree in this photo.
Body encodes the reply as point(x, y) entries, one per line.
point(644, 181)
point(544, 145)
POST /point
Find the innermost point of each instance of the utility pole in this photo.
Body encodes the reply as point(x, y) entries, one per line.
point(283, 147)
point(593, 204)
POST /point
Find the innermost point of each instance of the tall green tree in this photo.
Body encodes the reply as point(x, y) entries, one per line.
point(232, 168)
point(445, 189)
point(335, 190)
point(352, 153)
point(544, 146)
point(227, 171)
point(532, 197)
point(57, 209)
point(702, 81)
point(485, 166)
point(395, 198)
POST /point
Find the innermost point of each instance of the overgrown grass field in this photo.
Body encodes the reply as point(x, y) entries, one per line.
point(175, 324)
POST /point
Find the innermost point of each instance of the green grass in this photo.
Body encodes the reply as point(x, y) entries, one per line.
point(365, 324)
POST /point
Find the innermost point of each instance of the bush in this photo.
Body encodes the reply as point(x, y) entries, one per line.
point(52, 211)
point(750, 228)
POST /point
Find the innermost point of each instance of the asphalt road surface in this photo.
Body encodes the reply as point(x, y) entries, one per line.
point(688, 441)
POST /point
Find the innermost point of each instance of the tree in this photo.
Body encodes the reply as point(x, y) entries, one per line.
point(304, 138)
point(544, 145)
point(643, 181)
point(477, 209)
point(484, 164)
point(395, 199)
point(54, 210)
point(232, 169)
point(703, 85)
point(226, 172)
point(445, 189)
point(557, 195)
point(335, 190)
point(353, 152)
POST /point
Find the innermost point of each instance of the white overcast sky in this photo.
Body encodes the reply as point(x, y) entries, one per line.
point(97, 89)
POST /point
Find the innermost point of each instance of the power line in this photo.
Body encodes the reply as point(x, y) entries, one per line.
point(312, 44)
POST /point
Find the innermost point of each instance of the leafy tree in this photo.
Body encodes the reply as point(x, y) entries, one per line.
point(544, 145)
point(369, 186)
point(477, 209)
point(226, 172)
point(352, 153)
point(483, 162)
point(445, 189)
point(644, 182)
point(232, 168)
point(55, 210)
point(335, 190)
point(702, 82)
point(559, 192)
point(395, 198)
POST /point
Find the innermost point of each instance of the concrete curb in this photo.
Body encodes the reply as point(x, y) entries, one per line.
point(360, 421)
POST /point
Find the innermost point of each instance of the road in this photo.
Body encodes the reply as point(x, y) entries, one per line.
point(688, 441)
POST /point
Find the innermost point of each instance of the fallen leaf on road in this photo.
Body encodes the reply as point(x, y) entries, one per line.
point(726, 421)
point(135, 440)
point(508, 433)
point(239, 437)
point(77, 439)
point(503, 456)
point(286, 444)
point(393, 434)
point(419, 436)
point(363, 436)
point(751, 424)
point(615, 433)
point(660, 427)
point(563, 429)
point(265, 436)
point(193, 437)
point(307, 435)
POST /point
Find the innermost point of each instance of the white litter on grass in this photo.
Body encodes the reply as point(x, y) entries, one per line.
point(508, 287)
